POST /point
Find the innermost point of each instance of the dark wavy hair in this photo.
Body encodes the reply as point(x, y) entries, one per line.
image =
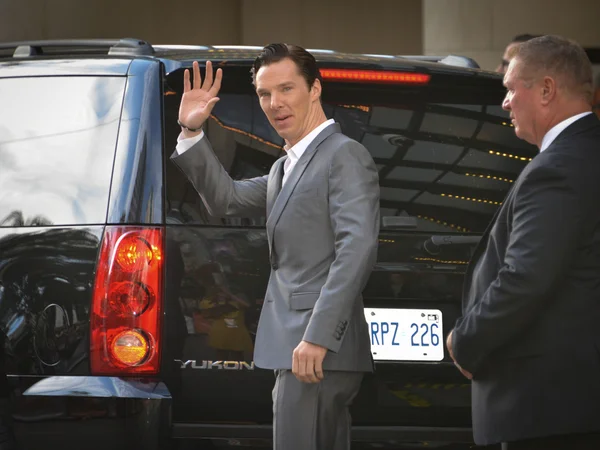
point(305, 61)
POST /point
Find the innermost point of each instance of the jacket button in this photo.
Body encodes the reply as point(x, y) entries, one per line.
point(274, 266)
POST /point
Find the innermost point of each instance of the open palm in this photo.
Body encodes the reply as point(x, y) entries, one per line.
point(198, 101)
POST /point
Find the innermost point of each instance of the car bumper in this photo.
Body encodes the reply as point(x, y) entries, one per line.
point(93, 412)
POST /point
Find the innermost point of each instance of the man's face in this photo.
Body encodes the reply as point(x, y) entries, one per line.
point(523, 102)
point(286, 99)
point(507, 56)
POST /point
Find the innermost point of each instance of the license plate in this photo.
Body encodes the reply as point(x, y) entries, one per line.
point(405, 334)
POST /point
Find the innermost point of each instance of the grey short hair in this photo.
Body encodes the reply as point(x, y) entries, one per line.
point(562, 59)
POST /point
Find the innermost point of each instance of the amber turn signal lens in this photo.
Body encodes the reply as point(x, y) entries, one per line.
point(134, 253)
point(130, 347)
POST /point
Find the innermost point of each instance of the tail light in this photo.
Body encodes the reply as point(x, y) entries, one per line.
point(374, 76)
point(127, 302)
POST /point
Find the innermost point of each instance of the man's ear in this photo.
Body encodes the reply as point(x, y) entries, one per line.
point(548, 90)
point(315, 91)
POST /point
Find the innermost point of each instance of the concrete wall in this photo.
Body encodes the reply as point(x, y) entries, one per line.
point(482, 28)
point(376, 26)
point(388, 26)
point(477, 28)
point(157, 21)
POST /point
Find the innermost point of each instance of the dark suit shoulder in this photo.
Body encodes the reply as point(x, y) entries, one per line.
point(548, 165)
point(569, 173)
point(580, 157)
point(580, 138)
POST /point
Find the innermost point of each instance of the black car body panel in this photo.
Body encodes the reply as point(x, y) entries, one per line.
point(446, 154)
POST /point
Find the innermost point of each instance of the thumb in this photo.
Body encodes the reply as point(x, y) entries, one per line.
point(211, 103)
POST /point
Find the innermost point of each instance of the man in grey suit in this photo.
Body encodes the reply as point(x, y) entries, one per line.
point(322, 208)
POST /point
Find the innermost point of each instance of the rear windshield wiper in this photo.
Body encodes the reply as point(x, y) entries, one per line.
point(395, 222)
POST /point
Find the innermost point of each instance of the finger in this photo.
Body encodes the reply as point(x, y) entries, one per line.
point(311, 370)
point(208, 77)
point(216, 87)
point(197, 78)
point(186, 81)
point(319, 369)
point(303, 369)
point(463, 371)
point(295, 364)
point(211, 103)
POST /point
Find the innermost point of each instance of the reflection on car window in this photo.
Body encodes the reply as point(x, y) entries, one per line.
point(57, 142)
point(450, 164)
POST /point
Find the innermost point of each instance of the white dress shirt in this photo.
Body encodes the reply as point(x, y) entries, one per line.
point(294, 153)
point(559, 128)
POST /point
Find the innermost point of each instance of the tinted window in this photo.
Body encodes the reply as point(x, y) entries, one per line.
point(446, 157)
point(57, 144)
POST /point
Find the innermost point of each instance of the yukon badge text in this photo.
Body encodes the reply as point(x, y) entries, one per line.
point(215, 365)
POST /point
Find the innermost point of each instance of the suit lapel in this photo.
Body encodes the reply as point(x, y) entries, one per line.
point(481, 246)
point(274, 185)
point(281, 200)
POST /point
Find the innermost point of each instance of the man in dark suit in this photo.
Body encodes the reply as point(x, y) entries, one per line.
point(528, 337)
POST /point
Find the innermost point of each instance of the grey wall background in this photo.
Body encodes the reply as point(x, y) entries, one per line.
point(482, 28)
point(476, 28)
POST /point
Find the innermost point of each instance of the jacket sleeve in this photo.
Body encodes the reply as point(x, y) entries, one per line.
point(548, 215)
point(221, 195)
point(354, 214)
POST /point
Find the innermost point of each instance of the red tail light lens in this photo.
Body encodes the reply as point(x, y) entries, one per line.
point(374, 76)
point(127, 298)
point(127, 302)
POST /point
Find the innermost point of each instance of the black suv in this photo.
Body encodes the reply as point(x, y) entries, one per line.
point(128, 312)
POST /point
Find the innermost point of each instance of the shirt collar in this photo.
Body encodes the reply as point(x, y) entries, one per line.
point(559, 128)
point(298, 150)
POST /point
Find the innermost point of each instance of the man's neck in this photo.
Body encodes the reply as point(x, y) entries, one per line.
point(314, 123)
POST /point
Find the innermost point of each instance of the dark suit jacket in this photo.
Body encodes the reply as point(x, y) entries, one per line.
point(530, 329)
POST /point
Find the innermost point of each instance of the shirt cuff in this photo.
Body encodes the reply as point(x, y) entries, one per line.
point(184, 144)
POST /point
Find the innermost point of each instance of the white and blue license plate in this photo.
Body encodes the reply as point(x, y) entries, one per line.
point(405, 334)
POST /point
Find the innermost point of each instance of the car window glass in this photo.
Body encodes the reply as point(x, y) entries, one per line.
point(57, 143)
point(447, 159)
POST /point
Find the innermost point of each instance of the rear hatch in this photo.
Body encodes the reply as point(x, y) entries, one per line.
point(76, 165)
point(58, 134)
point(446, 154)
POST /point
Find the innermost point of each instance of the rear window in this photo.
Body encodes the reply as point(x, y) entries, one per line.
point(57, 145)
point(446, 157)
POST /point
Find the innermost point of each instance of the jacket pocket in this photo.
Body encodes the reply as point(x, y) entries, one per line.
point(303, 300)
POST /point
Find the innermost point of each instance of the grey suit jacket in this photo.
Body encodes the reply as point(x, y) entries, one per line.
point(322, 229)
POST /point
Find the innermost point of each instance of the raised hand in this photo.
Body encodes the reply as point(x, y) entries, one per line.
point(198, 101)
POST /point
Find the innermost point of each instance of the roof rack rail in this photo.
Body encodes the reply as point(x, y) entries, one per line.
point(118, 47)
point(450, 60)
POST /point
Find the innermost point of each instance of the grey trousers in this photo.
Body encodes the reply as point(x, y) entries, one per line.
point(310, 416)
